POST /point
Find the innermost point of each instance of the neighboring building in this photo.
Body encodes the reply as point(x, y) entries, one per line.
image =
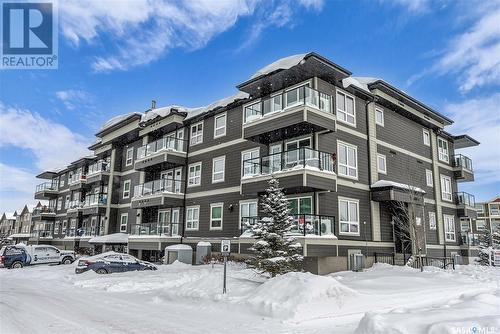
point(7, 224)
point(344, 148)
point(24, 223)
point(488, 215)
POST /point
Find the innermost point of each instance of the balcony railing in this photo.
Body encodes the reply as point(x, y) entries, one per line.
point(98, 167)
point(75, 204)
point(44, 210)
point(41, 234)
point(46, 186)
point(462, 161)
point(158, 186)
point(469, 239)
point(463, 198)
point(303, 224)
point(303, 95)
point(162, 144)
point(159, 229)
point(95, 199)
point(77, 177)
point(289, 160)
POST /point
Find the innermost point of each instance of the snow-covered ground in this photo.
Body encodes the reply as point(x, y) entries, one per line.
point(187, 299)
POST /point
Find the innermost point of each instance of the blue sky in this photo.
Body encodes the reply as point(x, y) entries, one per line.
point(116, 56)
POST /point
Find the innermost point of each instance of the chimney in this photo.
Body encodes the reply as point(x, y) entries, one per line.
point(153, 104)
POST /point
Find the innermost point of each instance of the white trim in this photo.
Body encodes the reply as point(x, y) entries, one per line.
point(131, 149)
point(349, 200)
point(428, 141)
point(379, 158)
point(197, 134)
point(215, 125)
point(121, 222)
point(443, 154)
point(347, 165)
point(129, 182)
point(194, 177)
point(337, 91)
point(429, 178)
point(382, 113)
point(434, 225)
point(193, 207)
point(447, 232)
point(223, 158)
point(221, 206)
point(255, 149)
point(246, 202)
point(443, 186)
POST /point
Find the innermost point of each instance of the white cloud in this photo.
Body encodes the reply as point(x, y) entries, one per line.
point(16, 188)
point(413, 6)
point(141, 31)
point(74, 98)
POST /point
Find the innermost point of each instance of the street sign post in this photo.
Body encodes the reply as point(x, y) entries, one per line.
point(225, 248)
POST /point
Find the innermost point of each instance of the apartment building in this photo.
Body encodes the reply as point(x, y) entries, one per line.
point(7, 224)
point(488, 216)
point(343, 148)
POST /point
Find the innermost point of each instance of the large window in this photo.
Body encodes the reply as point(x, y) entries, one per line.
point(59, 203)
point(129, 158)
point(218, 169)
point(126, 189)
point(248, 210)
point(446, 188)
point(192, 217)
point(429, 180)
point(427, 137)
point(432, 220)
point(381, 164)
point(250, 163)
point(216, 216)
point(480, 224)
point(197, 133)
point(349, 216)
point(123, 222)
point(345, 108)
point(300, 205)
point(220, 125)
point(443, 150)
point(347, 160)
point(379, 116)
point(449, 227)
point(194, 177)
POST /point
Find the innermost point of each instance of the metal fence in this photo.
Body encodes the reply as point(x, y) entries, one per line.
point(417, 262)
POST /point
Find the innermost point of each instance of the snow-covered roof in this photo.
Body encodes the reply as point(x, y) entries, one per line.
point(384, 184)
point(31, 207)
point(359, 82)
point(117, 119)
point(178, 247)
point(115, 238)
point(195, 112)
point(203, 243)
point(20, 235)
point(280, 64)
point(10, 215)
point(162, 112)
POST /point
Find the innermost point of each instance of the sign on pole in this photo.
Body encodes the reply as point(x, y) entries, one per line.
point(225, 248)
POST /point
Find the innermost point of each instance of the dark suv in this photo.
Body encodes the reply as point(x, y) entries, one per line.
point(13, 257)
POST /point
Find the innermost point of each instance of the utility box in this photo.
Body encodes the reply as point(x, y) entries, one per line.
point(180, 252)
point(203, 251)
point(357, 262)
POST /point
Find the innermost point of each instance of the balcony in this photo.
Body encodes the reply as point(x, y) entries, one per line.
point(156, 229)
point(466, 205)
point(77, 181)
point(44, 212)
point(98, 172)
point(293, 113)
point(469, 239)
point(74, 208)
point(462, 167)
point(95, 204)
point(47, 190)
point(164, 153)
point(303, 225)
point(163, 192)
point(299, 170)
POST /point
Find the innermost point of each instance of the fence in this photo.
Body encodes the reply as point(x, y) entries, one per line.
point(417, 262)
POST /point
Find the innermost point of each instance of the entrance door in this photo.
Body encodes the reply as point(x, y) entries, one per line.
point(175, 221)
point(297, 152)
point(275, 158)
point(177, 180)
point(164, 222)
point(301, 210)
point(167, 180)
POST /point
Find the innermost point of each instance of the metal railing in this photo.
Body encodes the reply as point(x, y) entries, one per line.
point(417, 262)
point(469, 239)
point(75, 204)
point(77, 177)
point(284, 161)
point(95, 199)
point(46, 186)
point(44, 210)
point(463, 161)
point(159, 229)
point(303, 95)
point(303, 224)
point(465, 199)
point(98, 167)
point(165, 143)
point(166, 185)
point(41, 234)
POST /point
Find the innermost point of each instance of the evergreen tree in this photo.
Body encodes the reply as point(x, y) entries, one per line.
point(275, 250)
point(484, 240)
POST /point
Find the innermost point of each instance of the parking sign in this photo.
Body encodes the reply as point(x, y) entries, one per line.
point(225, 247)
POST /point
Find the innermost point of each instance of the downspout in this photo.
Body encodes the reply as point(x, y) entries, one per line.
point(186, 167)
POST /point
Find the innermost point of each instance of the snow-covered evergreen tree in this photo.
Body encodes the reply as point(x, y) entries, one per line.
point(275, 250)
point(487, 242)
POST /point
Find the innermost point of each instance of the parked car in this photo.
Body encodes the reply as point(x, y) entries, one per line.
point(20, 255)
point(112, 262)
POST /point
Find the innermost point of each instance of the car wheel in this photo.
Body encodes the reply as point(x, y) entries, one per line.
point(101, 271)
point(147, 268)
point(66, 260)
point(17, 265)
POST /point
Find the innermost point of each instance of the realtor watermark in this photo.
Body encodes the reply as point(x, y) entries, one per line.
point(476, 329)
point(29, 35)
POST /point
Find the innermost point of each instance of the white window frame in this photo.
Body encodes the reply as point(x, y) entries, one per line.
point(248, 202)
point(379, 169)
point(340, 143)
point(432, 221)
point(61, 180)
point(338, 91)
point(194, 165)
point(59, 203)
point(129, 156)
point(221, 206)
point(223, 115)
point(429, 178)
point(66, 201)
point(193, 221)
point(349, 201)
point(223, 172)
point(483, 225)
point(381, 112)
point(126, 193)
point(449, 235)
point(426, 136)
point(199, 135)
point(253, 150)
point(122, 225)
point(445, 195)
point(443, 154)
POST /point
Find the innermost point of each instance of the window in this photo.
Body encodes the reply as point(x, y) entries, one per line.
point(57, 227)
point(218, 167)
point(220, 125)
point(347, 160)
point(216, 216)
point(464, 225)
point(129, 157)
point(480, 225)
point(123, 222)
point(349, 216)
point(345, 108)
point(59, 203)
point(449, 227)
point(250, 162)
point(379, 117)
point(300, 205)
point(432, 220)
point(427, 137)
point(248, 210)
point(194, 178)
point(429, 180)
point(443, 150)
point(192, 218)
point(446, 188)
point(126, 189)
point(64, 226)
point(197, 133)
point(61, 180)
point(381, 164)
point(66, 202)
